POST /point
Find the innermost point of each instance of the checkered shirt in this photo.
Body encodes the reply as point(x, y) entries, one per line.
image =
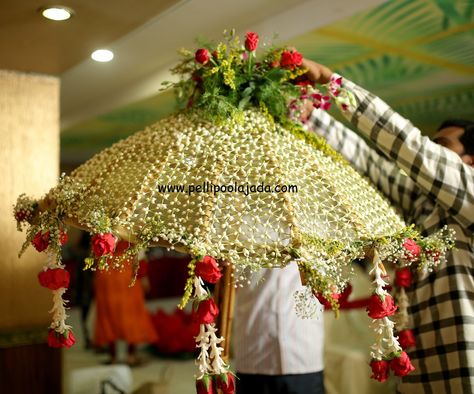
point(431, 187)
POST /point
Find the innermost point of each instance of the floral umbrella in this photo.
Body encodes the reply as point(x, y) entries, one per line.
point(233, 180)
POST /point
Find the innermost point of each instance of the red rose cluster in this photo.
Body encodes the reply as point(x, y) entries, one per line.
point(291, 59)
point(57, 339)
point(209, 385)
point(400, 365)
point(54, 279)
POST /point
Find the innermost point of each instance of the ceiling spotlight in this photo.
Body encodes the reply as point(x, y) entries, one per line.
point(57, 13)
point(102, 55)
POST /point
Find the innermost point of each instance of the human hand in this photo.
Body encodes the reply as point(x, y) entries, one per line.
point(317, 72)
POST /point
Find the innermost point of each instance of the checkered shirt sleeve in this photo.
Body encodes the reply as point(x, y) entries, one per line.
point(437, 171)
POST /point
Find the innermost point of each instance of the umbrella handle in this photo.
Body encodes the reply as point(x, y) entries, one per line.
point(224, 296)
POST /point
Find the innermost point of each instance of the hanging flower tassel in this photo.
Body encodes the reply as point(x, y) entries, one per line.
point(209, 360)
point(386, 351)
point(56, 278)
point(403, 279)
point(213, 371)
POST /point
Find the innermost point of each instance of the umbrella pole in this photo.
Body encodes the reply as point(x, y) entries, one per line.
point(224, 294)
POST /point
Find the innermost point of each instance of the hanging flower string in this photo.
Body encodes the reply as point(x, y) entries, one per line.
point(55, 278)
point(213, 371)
point(386, 351)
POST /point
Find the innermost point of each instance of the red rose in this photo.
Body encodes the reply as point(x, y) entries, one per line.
point(208, 270)
point(251, 41)
point(56, 339)
point(403, 277)
point(54, 279)
point(103, 244)
point(206, 312)
point(434, 254)
point(378, 308)
point(402, 365)
point(291, 59)
point(20, 215)
point(41, 241)
point(205, 385)
point(412, 250)
point(380, 370)
point(297, 58)
point(406, 339)
point(202, 56)
point(63, 237)
point(226, 382)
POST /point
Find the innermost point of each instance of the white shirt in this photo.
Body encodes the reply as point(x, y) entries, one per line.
point(269, 338)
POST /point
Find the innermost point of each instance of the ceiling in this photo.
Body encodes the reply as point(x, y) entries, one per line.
point(36, 44)
point(418, 55)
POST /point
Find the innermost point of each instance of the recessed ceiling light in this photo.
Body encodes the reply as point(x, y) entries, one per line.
point(102, 55)
point(57, 13)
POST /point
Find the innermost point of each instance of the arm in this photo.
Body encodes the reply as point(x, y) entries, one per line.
point(438, 172)
point(400, 189)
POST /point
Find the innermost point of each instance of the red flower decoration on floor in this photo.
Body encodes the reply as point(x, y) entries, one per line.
point(208, 270)
point(41, 241)
point(54, 279)
point(378, 308)
point(402, 365)
point(206, 312)
point(57, 340)
point(406, 339)
point(380, 370)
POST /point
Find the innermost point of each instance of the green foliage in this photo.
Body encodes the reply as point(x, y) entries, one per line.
point(231, 79)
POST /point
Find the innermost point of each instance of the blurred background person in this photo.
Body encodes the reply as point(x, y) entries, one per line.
point(120, 310)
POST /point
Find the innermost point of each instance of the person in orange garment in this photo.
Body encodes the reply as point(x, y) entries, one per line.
point(120, 310)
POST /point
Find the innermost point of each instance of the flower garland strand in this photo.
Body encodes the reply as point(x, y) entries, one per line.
point(386, 351)
point(55, 278)
point(213, 371)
